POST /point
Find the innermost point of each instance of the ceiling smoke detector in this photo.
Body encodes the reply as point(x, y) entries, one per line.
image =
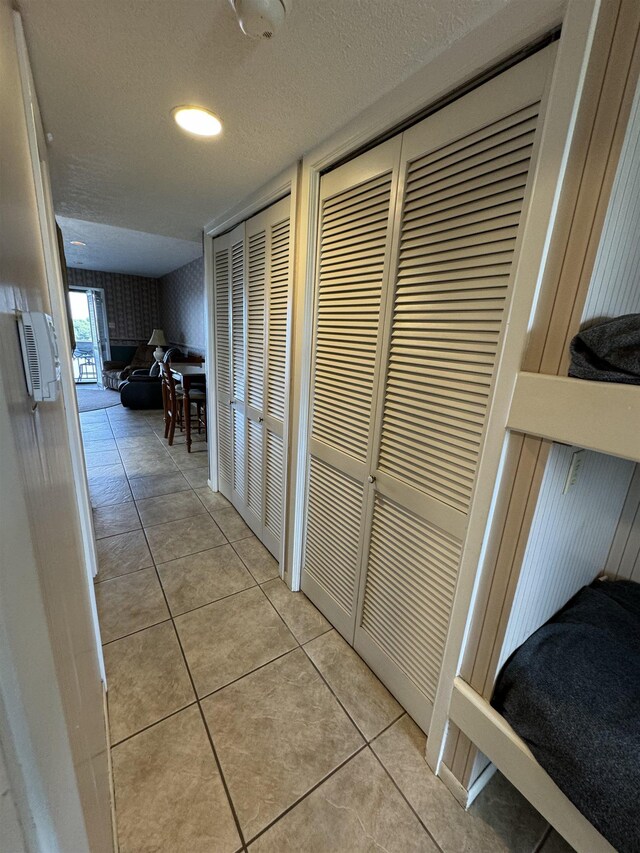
point(259, 19)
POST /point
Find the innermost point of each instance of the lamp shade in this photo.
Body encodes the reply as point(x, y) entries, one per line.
point(157, 338)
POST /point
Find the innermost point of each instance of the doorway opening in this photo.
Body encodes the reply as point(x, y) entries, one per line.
point(89, 316)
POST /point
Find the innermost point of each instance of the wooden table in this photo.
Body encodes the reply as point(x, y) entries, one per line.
point(186, 374)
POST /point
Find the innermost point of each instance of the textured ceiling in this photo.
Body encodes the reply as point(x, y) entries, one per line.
point(112, 249)
point(108, 72)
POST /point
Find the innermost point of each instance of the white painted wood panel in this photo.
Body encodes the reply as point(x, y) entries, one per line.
point(570, 538)
point(615, 283)
point(624, 556)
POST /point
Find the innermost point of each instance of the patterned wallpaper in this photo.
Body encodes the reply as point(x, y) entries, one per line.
point(182, 306)
point(133, 303)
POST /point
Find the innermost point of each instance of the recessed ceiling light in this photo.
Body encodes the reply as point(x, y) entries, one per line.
point(197, 120)
point(77, 243)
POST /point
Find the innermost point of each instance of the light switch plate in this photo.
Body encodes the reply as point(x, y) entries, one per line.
point(577, 459)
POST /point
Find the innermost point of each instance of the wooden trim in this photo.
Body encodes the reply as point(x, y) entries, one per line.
point(268, 194)
point(566, 410)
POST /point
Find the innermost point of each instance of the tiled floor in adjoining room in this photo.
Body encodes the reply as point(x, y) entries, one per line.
point(239, 719)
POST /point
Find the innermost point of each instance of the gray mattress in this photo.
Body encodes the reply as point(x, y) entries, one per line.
point(572, 692)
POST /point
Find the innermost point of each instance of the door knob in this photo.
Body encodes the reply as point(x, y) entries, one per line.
point(371, 479)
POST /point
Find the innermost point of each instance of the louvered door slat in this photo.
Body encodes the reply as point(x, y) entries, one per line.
point(274, 485)
point(222, 294)
point(237, 320)
point(239, 455)
point(424, 573)
point(510, 126)
point(278, 312)
point(254, 467)
point(256, 276)
point(223, 361)
point(331, 557)
point(463, 286)
point(341, 418)
point(224, 443)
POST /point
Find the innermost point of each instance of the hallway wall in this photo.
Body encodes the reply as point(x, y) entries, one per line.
point(52, 730)
point(182, 306)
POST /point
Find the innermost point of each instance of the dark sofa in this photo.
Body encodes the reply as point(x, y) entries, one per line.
point(143, 388)
point(115, 371)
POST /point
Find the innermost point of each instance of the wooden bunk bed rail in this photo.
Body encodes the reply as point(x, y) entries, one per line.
point(601, 416)
point(493, 735)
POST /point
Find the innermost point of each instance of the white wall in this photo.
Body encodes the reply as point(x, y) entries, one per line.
point(570, 538)
point(52, 730)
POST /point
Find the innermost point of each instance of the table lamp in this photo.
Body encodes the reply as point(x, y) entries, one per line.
point(160, 341)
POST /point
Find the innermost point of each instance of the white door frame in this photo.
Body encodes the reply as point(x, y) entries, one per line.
point(284, 184)
point(93, 290)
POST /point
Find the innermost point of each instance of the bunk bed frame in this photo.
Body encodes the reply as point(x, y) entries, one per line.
point(543, 406)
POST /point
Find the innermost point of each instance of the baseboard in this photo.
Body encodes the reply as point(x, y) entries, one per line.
point(112, 792)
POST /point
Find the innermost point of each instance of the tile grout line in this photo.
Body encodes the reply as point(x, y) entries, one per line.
point(195, 693)
point(204, 722)
point(308, 793)
point(155, 723)
point(330, 689)
point(400, 791)
point(246, 674)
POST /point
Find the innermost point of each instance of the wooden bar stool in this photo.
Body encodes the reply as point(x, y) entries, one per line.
point(172, 397)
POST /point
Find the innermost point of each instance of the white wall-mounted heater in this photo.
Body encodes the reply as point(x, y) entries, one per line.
point(39, 355)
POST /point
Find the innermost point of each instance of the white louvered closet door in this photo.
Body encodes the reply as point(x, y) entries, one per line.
point(463, 188)
point(228, 272)
point(268, 277)
point(222, 303)
point(356, 215)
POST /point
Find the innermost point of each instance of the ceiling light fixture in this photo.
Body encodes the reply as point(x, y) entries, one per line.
point(196, 120)
point(76, 243)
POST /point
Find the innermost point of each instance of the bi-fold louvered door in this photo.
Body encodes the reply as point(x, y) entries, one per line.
point(400, 399)
point(229, 302)
point(268, 275)
point(251, 286)
point(356, 216)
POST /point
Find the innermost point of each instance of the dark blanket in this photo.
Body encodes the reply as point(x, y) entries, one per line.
point(572, 692)
point(608, 352)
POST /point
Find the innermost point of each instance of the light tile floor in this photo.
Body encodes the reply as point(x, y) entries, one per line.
point(239, 719)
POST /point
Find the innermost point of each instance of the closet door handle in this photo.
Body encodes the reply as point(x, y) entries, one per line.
point(260, 420)
point(371, 479)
